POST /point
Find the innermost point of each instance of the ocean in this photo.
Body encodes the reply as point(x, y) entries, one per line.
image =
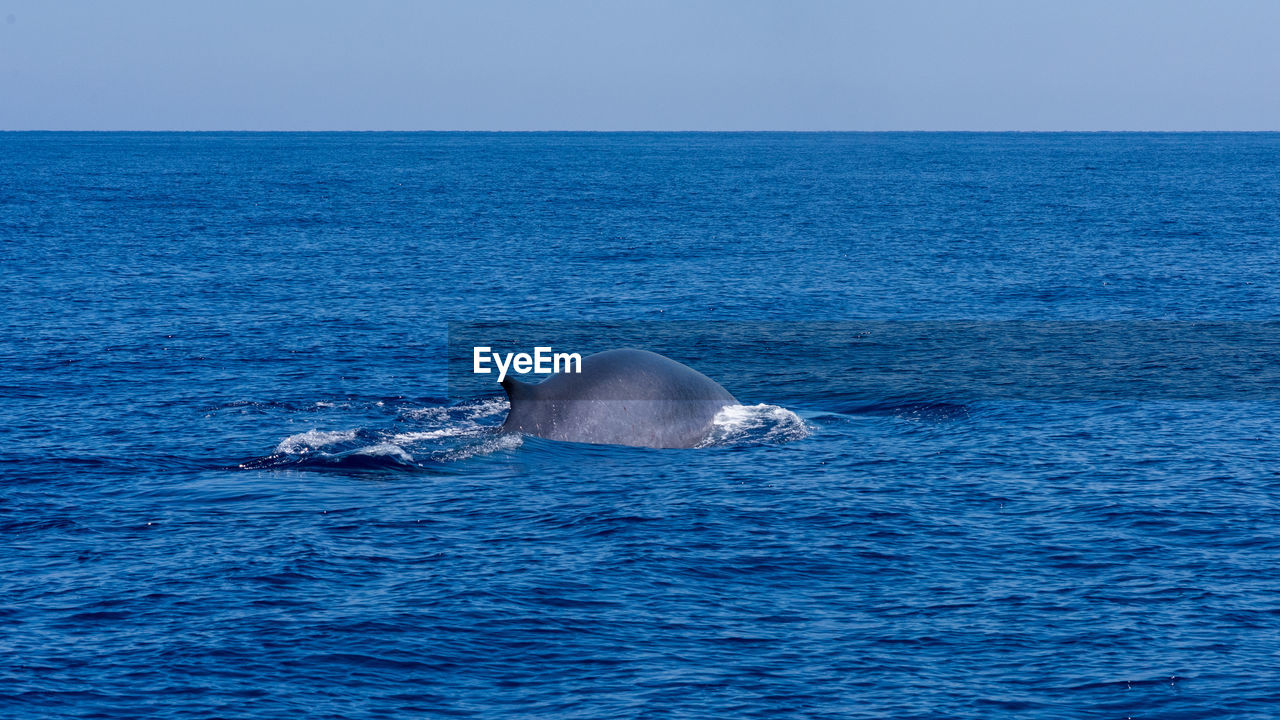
point(1007, 445)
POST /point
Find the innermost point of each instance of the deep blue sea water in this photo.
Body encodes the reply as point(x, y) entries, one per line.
point(1033, 469)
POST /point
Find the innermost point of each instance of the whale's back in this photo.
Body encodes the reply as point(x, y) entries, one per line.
point(621, 397)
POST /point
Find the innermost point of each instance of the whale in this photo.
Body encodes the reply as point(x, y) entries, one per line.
point(619, 397)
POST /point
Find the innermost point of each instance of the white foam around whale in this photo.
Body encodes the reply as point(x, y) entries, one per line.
point(755, 424)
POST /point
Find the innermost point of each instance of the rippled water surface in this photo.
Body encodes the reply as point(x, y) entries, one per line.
point(1007, 446)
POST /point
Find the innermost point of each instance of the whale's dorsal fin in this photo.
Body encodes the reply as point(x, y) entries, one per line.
point(517, 391)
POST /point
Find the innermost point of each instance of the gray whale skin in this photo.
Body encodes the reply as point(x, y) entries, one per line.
point(621, 397)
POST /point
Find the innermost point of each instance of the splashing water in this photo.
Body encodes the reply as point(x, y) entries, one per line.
point(755, 425)
point(443, 434)
point(439, 435)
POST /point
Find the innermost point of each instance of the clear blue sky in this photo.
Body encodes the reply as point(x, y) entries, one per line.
point(651, 64)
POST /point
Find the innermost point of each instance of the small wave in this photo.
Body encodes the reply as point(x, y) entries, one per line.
point(472, 410)
point(933, 411)
point(755, 425)
point(385, 449)
point(425, 414)
point(437, 434)
point(487, 408)
point(313, 440)
point(421, 436)
point(491, 444)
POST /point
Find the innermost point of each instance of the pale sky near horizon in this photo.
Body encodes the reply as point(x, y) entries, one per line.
point(653, 65)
